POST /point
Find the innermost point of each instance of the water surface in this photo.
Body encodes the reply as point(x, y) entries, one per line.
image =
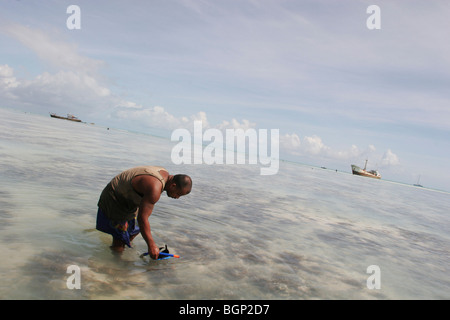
point(304, 233)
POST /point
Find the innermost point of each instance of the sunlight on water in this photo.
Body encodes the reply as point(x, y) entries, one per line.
point(305, 233)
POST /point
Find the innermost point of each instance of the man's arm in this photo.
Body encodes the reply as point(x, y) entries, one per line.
point(150, 187)
point(145, 210)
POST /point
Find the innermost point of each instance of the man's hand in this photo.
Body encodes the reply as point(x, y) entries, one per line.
point(150, 187)
point(153, 251)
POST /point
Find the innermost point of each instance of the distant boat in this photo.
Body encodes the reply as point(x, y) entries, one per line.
point(418, 184)
point(69, 117)
point(363, 172)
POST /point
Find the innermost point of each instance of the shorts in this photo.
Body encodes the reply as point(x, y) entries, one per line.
point(119, 230)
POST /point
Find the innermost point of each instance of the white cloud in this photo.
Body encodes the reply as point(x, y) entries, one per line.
point(309, 145)
point(146, 117)
point(73, 83)
point(7, 83)
point(158, 117)
point(235, 124)
point(354, 152)
point(200, 116)
point(314, 147)
point(58, 54)
point(62, 91)
point(7, 79)
point(130, 104)
point(290, 142)
point(389, 159)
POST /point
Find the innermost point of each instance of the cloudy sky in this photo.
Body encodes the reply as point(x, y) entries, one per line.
point(339, 92)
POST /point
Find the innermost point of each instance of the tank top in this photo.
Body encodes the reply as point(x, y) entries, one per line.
point(118, 200)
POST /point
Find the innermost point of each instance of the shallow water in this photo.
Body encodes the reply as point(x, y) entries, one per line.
point(304, 233)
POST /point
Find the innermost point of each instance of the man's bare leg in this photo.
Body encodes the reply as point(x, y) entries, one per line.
point(117, 245)
point(133, 236)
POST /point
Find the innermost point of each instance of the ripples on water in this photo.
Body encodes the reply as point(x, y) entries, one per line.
point(305, 233)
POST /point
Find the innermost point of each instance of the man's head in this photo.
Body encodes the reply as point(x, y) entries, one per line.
point(179, 185)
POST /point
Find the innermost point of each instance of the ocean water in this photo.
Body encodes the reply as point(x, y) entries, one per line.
point(304, 233)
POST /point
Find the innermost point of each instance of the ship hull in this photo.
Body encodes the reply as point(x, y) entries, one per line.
point(361, 172)
point(65, 118)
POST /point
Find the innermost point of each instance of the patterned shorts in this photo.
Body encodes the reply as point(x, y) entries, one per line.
point(119, 230)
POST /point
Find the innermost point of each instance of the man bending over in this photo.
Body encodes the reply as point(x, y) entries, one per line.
point(129, 197)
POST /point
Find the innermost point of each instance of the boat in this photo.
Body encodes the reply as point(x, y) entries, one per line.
point(418, 183)
point(69, 117)
point(365, 173)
